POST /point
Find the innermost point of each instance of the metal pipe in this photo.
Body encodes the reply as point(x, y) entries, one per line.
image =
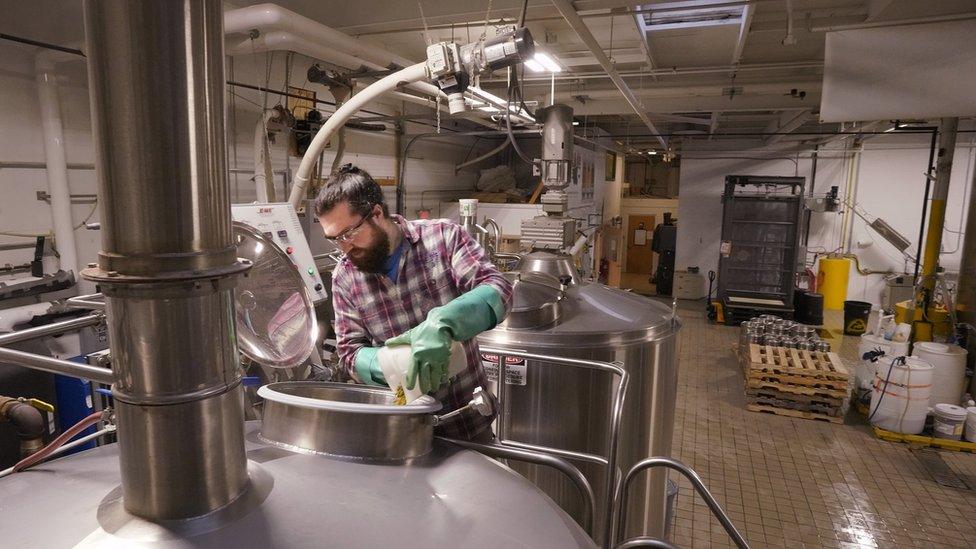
point(696, 483)
point(54, 328)
point(940, 194)
point(645, 541)
point(57, 366)
point(168, 257)
point(93, 301)
point(925, 201)
point(566, 9)
point(541, 458)
point(897, 22)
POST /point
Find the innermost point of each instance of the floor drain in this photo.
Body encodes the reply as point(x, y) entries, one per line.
point(940, 471)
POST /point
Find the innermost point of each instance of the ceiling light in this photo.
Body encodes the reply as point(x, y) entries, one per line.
point(576, 122)
point(547, 61)
point(652, 153)
point(534, 66)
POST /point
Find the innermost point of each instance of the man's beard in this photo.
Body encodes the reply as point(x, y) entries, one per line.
point(372, 259)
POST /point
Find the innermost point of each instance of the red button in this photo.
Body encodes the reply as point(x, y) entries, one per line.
point(289, 250)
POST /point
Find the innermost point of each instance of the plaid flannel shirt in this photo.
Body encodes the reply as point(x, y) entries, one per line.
point(441, 262)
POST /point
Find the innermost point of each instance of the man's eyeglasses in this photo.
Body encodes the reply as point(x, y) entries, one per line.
point(347, 235)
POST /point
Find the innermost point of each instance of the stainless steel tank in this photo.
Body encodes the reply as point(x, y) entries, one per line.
point(570, 408)
point(447, 498)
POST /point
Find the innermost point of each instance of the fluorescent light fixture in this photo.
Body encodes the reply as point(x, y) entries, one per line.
point(534, 66)
point(576, 122)
point(651, 153)
point(548, 62)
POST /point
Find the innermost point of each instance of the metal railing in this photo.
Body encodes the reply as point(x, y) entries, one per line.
point(610, 461)
point(50, 364)
point(541, 458)
point(697, 484)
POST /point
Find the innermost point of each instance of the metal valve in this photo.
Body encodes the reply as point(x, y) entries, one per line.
point(480, 402)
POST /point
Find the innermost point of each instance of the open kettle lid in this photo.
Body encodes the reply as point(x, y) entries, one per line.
point(275, 316)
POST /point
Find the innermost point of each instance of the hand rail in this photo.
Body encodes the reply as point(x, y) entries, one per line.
point(540, 458)
point(615, 419)
point(69, 325)
point(696, 482)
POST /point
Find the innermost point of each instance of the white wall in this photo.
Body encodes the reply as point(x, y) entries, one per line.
point(21, 141)
point(890, 185)
point(430, 164)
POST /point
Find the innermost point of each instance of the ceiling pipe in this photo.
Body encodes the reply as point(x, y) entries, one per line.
point(271, 17)
point(566, 9)
point(747, 13)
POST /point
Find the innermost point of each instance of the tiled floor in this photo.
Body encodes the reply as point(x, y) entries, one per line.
point(801, 483)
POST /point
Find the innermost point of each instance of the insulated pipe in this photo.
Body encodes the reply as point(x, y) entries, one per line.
point(271, 17)
point(388, 83)
point(168, 256)
point(54, 155)
point(487, 155)
point(286, 41)
point(263, 178)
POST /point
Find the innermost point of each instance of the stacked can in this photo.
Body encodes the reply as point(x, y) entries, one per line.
point(778, 332)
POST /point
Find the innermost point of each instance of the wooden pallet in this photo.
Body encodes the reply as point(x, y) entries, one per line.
point(922, 440)
point(796, 362)
point(797, 381)
point(835, 390)
point(796, 402)
point(793, 413)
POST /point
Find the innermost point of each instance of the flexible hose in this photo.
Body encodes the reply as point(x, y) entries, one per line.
point(413, 73)
point(64, 437)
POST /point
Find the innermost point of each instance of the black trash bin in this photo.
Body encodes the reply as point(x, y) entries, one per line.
point(856, 317)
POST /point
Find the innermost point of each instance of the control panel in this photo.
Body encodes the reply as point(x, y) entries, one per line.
point(280, 224)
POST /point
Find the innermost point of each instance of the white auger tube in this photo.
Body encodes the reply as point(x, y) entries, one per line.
point(413, 73)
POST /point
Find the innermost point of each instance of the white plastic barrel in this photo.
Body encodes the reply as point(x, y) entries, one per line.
point(971, 424)
point(901, 404)
point(949, 376)
point(864, 369)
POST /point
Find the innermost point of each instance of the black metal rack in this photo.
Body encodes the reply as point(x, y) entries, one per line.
point(760, 240)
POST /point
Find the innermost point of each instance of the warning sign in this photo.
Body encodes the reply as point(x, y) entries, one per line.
point(515, 368)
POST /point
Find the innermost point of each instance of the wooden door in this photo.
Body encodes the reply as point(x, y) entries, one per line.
point(640, 228)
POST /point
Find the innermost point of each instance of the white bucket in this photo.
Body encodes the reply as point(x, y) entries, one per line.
point(949, 377)
point(864, 369)
point(901, 404)
point(971, 424)
point(949, 421)
point(395, 362)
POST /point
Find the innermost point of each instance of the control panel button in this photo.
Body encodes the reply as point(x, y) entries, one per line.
point(282, 233)
point(318, 287)
point(289, 250)
point(311, 271)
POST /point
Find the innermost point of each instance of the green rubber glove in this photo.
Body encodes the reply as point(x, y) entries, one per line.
point(460, 320)
point(368, 367)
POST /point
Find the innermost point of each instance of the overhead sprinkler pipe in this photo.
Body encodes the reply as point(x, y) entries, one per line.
point(413, 73)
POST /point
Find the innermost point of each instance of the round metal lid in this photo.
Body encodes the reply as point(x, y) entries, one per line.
point(275, 317)
point(535, 300)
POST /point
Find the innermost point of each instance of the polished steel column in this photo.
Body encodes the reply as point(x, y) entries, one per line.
point(168, 261)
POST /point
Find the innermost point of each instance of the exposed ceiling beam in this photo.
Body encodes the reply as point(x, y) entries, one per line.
point(742, 103)
point(747, 13)
point(645, 43)
point(566, 9)
point(788, 123)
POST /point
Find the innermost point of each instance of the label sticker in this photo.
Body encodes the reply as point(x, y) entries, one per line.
point(515, 368)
